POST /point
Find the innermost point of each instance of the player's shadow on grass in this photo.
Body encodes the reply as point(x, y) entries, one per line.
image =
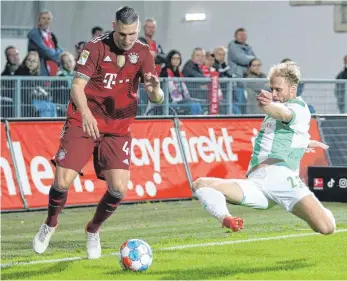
point(25, 273)
point(200, 273)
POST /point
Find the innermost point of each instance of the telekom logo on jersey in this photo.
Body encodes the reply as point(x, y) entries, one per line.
point(109, 79)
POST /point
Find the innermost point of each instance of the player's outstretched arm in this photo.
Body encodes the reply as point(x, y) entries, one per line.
point(312, 144)
point(89, 123)
point(152, 87)
point(277, 111)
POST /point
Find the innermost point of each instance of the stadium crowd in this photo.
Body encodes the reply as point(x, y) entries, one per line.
point(46, 57)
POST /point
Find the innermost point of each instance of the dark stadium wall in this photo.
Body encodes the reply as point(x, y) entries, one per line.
point(275, 29)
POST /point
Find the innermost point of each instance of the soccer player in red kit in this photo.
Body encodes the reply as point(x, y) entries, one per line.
point(102, 107)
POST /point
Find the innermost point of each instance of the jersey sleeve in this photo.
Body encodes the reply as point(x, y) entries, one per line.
point(89, 58)
point(301, 113)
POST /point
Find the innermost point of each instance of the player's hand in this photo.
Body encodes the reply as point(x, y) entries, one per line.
point(151, 82)
point(264, 98)
point(312, 144)
point(90, 125)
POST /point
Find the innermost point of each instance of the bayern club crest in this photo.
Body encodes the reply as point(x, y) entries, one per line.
point(133, 58)
point(61, 154)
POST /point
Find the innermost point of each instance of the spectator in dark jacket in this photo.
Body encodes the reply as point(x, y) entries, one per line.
point(12, 61)
point(192, 66)
point(30, 65)
point(149, 28)
point(42, 40)
point(33, 92)
point(219, 63)
point(340, 91)
point(343, 73)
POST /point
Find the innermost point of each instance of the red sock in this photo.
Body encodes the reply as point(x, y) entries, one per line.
point(56, 203)
point(107, 205)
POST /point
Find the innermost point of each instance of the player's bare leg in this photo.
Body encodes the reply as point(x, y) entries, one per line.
point(211, 193)
point(318, 218)
point(117, 182)
point(57, 199)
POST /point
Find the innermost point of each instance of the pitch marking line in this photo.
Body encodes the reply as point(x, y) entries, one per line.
point(173, 248)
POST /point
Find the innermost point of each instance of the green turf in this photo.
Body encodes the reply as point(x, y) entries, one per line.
point(178, 223)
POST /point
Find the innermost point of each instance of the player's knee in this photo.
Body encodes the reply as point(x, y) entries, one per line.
point(62, 182)
point(198, 183)
point(119, 188)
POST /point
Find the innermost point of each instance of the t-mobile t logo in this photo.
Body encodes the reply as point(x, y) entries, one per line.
point(109, 79)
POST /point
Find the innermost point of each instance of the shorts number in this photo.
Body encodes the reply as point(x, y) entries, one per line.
point(126, 148)
point(295, 182)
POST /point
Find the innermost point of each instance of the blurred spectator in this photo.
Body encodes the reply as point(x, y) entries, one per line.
point(67, 63)
point(97, 31)
point(340, 91)
point(30, 65)
point(254, 69)
point(60, 89)
point(42, 40)
point(239, 54)
point(253, 88)
point(32, 93)
point(192, 66)
point(207, 67)
point(179, 93)
point(79, 48)
point(150, 27)
point(12, 61)
point(219, 62)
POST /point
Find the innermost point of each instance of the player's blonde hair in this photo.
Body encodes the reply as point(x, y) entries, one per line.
point(287, 70)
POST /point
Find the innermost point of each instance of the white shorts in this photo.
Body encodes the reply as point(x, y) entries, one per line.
point(271, 185)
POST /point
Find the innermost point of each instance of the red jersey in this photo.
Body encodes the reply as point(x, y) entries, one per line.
point(114, 80)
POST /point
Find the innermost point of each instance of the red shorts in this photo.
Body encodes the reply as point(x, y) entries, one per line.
point(109, 151)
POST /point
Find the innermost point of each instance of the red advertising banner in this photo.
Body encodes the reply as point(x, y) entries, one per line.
point(10, 196)
point(214, 148)
point(153, 174)
point(223, 147)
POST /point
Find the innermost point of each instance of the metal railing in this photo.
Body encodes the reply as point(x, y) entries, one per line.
point(49, 96)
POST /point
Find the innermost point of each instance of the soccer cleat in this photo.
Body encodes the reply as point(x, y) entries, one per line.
point(93, 245)
point(234, 223)
point(42, 238)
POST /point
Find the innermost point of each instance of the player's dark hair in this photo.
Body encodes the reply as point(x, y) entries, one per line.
point(169, 64)
point(239, 30)
point(95, 29)
point(127, 15)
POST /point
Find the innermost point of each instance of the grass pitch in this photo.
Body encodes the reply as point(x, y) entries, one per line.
point(273, 245)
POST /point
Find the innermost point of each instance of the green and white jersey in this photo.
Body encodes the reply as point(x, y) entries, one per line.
point(284, 141)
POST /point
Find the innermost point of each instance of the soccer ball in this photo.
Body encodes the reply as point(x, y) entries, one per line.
point(136, 255)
